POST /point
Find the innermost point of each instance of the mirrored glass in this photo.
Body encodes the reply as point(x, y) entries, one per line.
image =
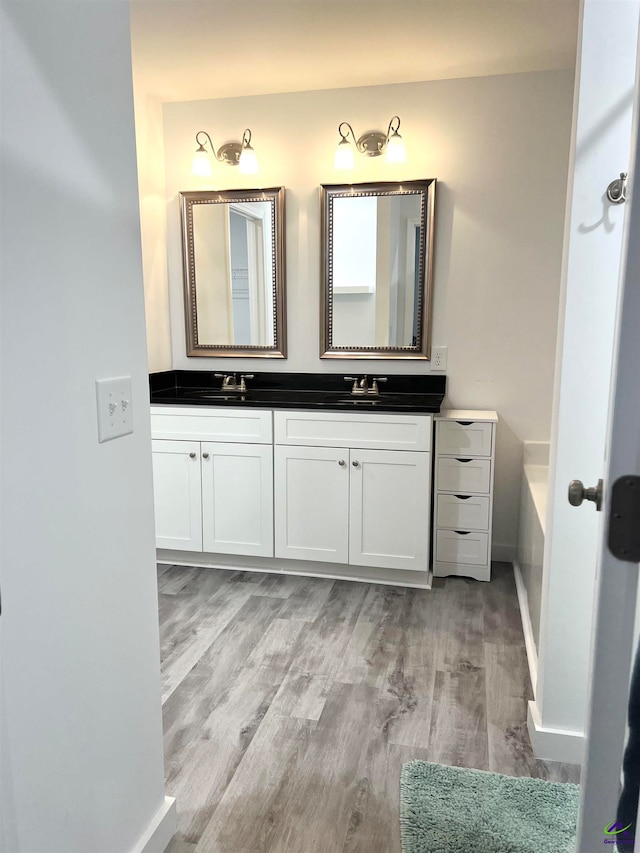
point(377, 265)
point(233, 249)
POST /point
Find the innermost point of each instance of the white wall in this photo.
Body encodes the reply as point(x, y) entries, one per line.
point(600, 150)
point(499, 148)
point(80, 725)
point(153, 223)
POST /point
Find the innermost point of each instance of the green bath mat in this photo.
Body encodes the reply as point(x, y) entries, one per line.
point(455, 810)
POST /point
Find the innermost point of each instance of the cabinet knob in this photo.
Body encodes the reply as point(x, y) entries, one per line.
point(341, 463)
point(205, 455)
point(355, 463)
point(192, 455)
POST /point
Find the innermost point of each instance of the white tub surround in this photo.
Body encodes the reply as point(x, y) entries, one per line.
point(463, 493)
point(530, 553)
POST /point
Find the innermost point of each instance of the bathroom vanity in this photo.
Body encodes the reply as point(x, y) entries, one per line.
point(311, 474)
point(296, 474)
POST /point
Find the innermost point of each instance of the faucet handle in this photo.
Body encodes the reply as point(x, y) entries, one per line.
point(354, 387)
point(374, 384)
point(243, 385)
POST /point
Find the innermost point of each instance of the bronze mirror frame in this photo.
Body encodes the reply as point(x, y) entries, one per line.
point(328, 193)
point(276, 197)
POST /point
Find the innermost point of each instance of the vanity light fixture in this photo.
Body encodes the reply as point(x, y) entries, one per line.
point(232, 153)
point(373, 144)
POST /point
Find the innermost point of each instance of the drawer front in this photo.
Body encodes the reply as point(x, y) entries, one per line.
point(208, 424)
point(464, 438)
point(462, 547)
point(464, 475)
point(337, 429)
point(463, 513)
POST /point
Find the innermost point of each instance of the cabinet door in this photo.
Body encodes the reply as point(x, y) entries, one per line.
point(176, 489)
point(312, 503)
point(390, 509)
point(237, 498)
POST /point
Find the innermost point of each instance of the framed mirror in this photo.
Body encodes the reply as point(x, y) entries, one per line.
point(377, 270)
point(233, 263)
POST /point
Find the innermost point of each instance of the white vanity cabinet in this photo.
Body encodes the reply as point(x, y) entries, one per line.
point(353, 488)
point(213, 480)
point(177, 490)
point(463, 493)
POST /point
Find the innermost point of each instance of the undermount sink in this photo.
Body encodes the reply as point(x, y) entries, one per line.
point(216, 395)
point(317, 397)
point(338, 400)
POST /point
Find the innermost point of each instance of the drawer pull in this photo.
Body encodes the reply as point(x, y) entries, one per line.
point(465, 423)
point(462, 532)
point(192, 455)
point(463, 460)
point(463, 497)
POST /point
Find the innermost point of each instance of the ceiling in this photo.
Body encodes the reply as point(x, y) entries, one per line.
point(186, 50)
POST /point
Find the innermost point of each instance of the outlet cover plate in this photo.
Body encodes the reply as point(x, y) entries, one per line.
point(115, 409)
point(438, 358)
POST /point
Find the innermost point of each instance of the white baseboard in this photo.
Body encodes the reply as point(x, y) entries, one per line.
point(527, 628)
point(160, 831)
point(503, 553)
point(554, 744)
point(305, 568)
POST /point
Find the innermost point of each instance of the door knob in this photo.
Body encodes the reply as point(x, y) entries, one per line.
point(341, 463)
point(355, 463)
point(205, 455)
point(578, 494)
point(192, 455)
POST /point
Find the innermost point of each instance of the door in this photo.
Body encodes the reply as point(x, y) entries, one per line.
point(616, 621)
point(312, 503)
point(389, 507)
point(176, 491)
point(237, 498)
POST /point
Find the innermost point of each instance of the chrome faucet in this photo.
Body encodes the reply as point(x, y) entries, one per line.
point(361, 387)
point(230, 382)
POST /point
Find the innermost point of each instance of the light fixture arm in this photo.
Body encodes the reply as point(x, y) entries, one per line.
point(211, 145)
point(393, 128)
point(345, 134)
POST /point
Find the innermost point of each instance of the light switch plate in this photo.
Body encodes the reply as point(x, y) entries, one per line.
point(115, 409)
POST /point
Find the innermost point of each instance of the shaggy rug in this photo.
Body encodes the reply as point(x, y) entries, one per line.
point(456, 810)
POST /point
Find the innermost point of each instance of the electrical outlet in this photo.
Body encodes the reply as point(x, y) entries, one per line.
point(438, 358)
point(115, 411)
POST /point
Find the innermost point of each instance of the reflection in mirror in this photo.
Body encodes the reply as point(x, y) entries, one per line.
point(377, 242)
point(234, 279)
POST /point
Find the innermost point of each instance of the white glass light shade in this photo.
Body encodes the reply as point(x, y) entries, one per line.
point(344, 155)
point(395, 150)
point(201, 165)
point(248, 163)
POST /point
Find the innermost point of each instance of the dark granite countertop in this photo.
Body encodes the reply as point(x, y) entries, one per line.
point(327, 391)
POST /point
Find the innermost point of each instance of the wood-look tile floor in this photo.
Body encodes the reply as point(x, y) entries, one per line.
point(291, 703)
